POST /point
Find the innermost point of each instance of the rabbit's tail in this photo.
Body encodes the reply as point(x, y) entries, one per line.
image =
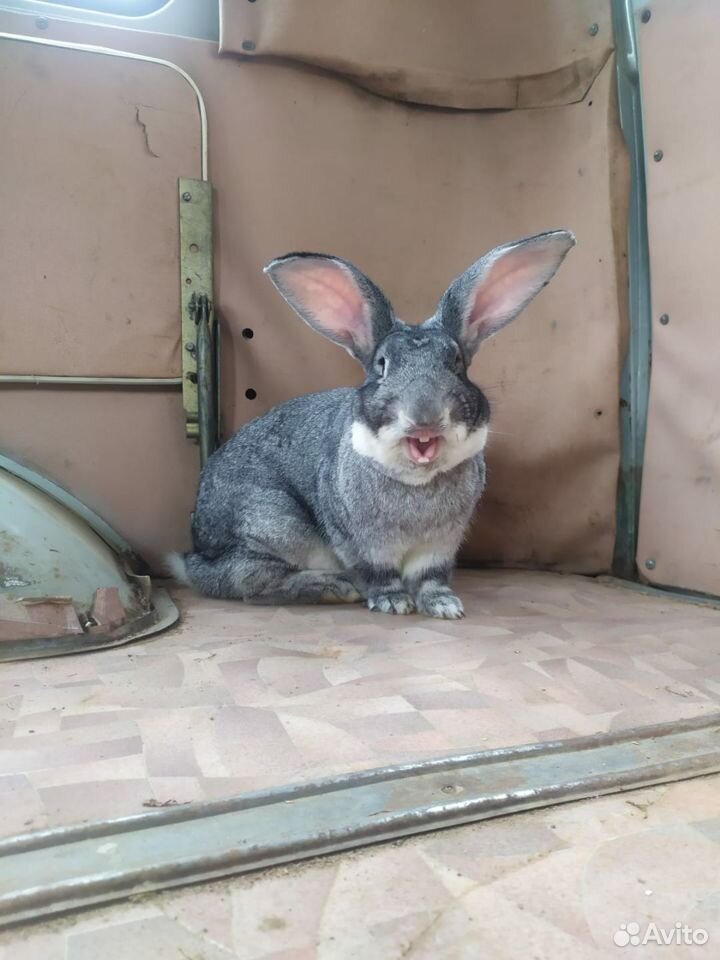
point(176, 566)
point(211, 577)
point(262, 580)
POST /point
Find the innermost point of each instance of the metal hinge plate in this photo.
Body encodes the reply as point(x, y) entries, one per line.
point(196, 282)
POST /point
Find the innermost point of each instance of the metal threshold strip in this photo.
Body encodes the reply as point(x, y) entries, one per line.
point(55, 871)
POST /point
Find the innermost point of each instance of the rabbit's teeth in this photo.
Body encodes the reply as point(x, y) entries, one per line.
point(423, 448)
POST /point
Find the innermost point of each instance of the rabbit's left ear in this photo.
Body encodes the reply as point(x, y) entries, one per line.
point(494, 290)
point(336, 299)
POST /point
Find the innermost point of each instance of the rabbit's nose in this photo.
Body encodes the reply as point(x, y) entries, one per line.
point(422, 411)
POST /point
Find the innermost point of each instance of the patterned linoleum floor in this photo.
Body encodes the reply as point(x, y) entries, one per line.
point(239, 698)
point(564, 883)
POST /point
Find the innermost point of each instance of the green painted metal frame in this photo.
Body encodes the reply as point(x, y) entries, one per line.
point(635, 382)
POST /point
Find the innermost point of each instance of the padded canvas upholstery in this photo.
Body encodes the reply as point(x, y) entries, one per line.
point(92, 147)
point(470, 54)
point(680, 509)
point(305, 158)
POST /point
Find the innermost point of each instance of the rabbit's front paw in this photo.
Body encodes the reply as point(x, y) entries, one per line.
point(441, 604)
point(395, 602)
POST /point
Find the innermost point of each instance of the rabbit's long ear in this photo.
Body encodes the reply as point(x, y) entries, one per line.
point(494, 290)
point(336, 299)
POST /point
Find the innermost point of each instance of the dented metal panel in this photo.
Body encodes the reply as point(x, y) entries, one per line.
point(50, 551)
point(63, 587)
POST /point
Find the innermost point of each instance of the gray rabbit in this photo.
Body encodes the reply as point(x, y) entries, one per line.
point(364, 493)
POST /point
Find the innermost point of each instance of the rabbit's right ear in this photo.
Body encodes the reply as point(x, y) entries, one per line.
point(336, 299)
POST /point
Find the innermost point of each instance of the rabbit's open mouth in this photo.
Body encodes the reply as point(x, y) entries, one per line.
point(423, 448)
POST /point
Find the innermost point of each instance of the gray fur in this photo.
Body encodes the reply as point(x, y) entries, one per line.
point(319, 500)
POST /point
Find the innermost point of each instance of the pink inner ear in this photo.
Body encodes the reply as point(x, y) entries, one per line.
point(326, 293)
point(508, 284)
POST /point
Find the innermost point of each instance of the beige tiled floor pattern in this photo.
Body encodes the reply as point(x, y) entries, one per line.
point(239, 698)
point(555, 884)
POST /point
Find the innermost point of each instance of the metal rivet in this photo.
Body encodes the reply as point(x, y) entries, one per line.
point(593, 29)
point(42, 23)
point(248, 45)
point(188, 281)
point(250, 393)
point(192, 376)
point(190, 347)
point(658, 155)
point(451, 788)
point(194, 248)
point(646, 14)
point(187, 197)
point(664, 319)
point(650, 564)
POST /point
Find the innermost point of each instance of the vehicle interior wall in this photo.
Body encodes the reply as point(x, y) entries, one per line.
point(302, 156)
point(679, 537)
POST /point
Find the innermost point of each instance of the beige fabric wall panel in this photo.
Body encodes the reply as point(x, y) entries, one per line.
point(123, 454)
point(472, 54)
point(680, 511)
point(303, 159)
point(91, 150)
point(413, 196)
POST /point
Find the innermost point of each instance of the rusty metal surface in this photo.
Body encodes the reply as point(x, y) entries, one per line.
point(160, 614)
point(63, 870)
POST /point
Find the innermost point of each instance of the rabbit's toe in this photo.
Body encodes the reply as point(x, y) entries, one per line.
point(442, 606)
point(396, 602)
point(340, 590)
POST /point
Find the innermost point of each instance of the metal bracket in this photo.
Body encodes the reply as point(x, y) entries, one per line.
point(199, 326)
point(206, 334)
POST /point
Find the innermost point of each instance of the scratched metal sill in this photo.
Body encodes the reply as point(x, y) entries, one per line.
point(55, 871)
point(663, 592)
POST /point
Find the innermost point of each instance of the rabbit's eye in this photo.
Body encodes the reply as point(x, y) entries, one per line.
point(381, 366)
point(459, 361)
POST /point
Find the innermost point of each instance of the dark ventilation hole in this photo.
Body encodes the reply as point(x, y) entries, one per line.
point(250, 393)
point(598, 413)
point(589, 103)
point(248, 333)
